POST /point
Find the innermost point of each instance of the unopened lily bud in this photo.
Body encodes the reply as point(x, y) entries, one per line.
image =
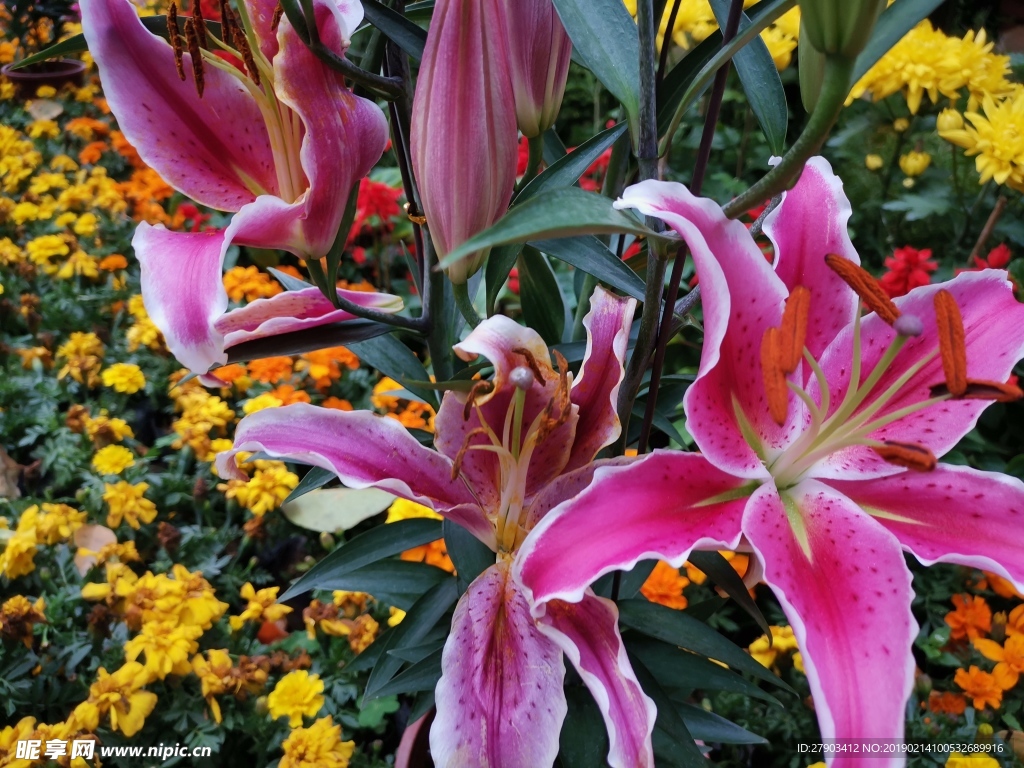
point(521, 377)
point(464, 140)
point(840, 27)
point(539, 53)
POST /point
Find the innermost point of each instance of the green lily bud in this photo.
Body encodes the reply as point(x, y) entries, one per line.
point(840, 27)
point(811, 64)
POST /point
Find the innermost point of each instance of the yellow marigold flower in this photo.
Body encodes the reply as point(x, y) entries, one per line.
point(319, 746)
point(126, 502)
point(144, 333)
point(43, 129)
point(24, 212)
point(79, 263)
point(297, 694)
point(167, 646)
point(18, 557)
point(783, 641)
point(104, 430)
point(45, 247)
point(119, 551)
point(873, 162)
point(58, 523)
point(63, 164)
point(199, 604)
point(915, 163)
point(250, 284)
point(958, 760)
point(665, 586)
point(403, 509)
point(46, 91)
point(86, 94)
point(18, 616)
point(363, 633)
point(81, 344)
point(86, 225)
point(265, 490)
point(262, 606)
point(214, 673)
point(9, 252)
point(124, 377)
point(43, 182)
point(112, 460)
point(380, 399)
point(260, 402)
point(119, 694)
point(395, 617)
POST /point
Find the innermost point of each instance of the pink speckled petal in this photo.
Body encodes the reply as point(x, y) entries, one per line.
point(847, 597)
point(588, 633)
point(507, 345)
point(499, 700)
point(742, 296)
point(809, 224)
point(213, 149)
point(567, 485)
point(596, 390)
point(344, 136)
point(365, 451)
point(655, 507)
point(295, 311)
point(952, 515)
point(993, 319)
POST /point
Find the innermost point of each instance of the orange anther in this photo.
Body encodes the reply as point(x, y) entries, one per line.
point(864, 285)
point(984, 390)
point(774, 378)
point(909, 455)
point(192, 40)
point(794, 328)
point(174, 35)
point(950, 327)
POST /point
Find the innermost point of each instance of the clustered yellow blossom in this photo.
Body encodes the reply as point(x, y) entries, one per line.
point(82, 354)
point(113, 460)
point(994, 137)
point(204, 419)
point(45, 524)
point(782, 642)
point(124, 377)
point(120, 695)
point(268, 487)
point(219, 675)
point(318, 746)
point(126, 502)
point(261, 606)
point(435, 553)
point(298, 694)
point(143, 331)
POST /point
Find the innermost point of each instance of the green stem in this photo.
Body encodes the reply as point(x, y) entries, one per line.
point(834, 90)
point(536, 145)
point(438, 340)
point(465, 304)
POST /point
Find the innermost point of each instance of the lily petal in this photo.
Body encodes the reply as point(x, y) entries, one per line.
point(809, 224)
point(588, 633)
point(213, 149)
point(567, 485)
point(295, 311)
point(507, 345)
point(742, 297)
point(596, 390)
point(500, 702)
point(952, 515)
point(365, 451)
point(992, 321)
point(843, 585)
point(661, 506)
point(345, 136)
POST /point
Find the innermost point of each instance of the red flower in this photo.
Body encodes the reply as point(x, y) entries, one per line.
point(997, 258)
point(513, 281)
point(908, 269)
point(632, 251)
point(524, 156)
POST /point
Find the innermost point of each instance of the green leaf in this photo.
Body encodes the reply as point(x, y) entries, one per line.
point(717, 569)
point(317, 477)
point(634, 578)
point(499, 265)
point(336, 509)
point(660, 420)
point(682, 629)
point(373, 713)
point(562, 212)
point(416, 653)
point(421, 676)
point(392, 358)
point(895, 22)
point(402, 32)
point(604, 37)
point(685, 750)
point(543, 304)
point(709, 727)
point(307, 340)
point(419, 620)
point(592, 256)
point(567, 170)
point(381, 542)
point(470, 556)
point(396, 582)
point(583, 741)
point(761, 82)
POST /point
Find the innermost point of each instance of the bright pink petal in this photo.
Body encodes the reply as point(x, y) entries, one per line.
point(993, 319)
point(742, 296)
point(596, 390)
point(846, 591)
point(809, 224)
point(507, 345)
point(213, 149)
point(345, 136)
point(365, 451)
point(660, 506)
point(295, 311)
point(588, 633)
point(500, 702)
point(567, 485)
point(952, 515)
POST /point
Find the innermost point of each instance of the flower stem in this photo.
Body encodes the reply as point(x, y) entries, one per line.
point(465, 304)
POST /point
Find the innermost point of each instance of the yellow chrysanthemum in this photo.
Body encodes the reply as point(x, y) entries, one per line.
point(166, 645)
point(298, 694)
point(995, 138)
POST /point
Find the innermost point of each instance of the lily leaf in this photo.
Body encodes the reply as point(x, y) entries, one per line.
point(543, 304)
point(421, 676)
point(402, 32)
point(499, 265)
point(565, 171)
point(316, 477)
point(589, 254)
point(724, 575)
point(392, 358)
point(470, 556)
point(307, 340)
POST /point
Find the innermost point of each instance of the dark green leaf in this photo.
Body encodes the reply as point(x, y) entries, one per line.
point(543, 305)
point(396, 582)
point(567, 170)
point(416, 653)
point(290, 282)
point(470, 556)
point(583, 742)
point(562, 212)
point(660, 420)
point(604, 37)
point(709, 727)
point(419, 620)
point(685, 753)
point(402, 32)
point(724, 575)
point(392, 358)
point(895, 22)
point(761, 82)
point(554, 149)
point(376, 544)
point(634, 579)
point(679, 628)
point(317, 477)
point(307, 340)
point(499, 265)
point(421, 706)
point(589, 254)
point(421, 676)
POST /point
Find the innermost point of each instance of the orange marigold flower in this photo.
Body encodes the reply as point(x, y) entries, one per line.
point(1009, 658)
point(665, 586)
point(287, 394)
point(86, 128)
point(324, 365)
point(1015, 621)
point(971, 619)
point(999, 585)
point(125, 149)
point(271, 370)
point(250, 284)
point(92, 152)
point(337, 404)
point(113, 262)
point(947, 703)
point(982, 687)
point(230, 373)
point(435, 553)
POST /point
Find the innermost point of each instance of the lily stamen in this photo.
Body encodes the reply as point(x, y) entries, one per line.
point(983, 390)
point(174, 34)
point(794, 328)
point(952, 346)
point(774, 377)
point(909, 455)
point(864, 285)
point(196, 54)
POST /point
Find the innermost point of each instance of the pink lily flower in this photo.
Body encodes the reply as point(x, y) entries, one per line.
point(810, 422)
point(507, 452)
point(280, 144)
